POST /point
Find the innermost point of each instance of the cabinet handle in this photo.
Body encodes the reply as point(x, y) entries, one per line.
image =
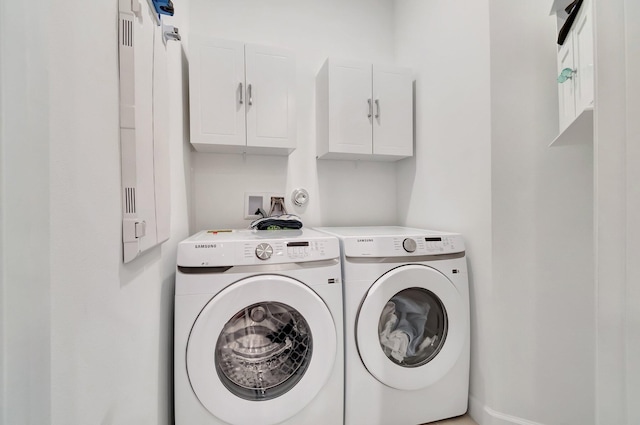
point(249, 95)
point(240, 88)
point(370, 108)
point(566, 74)
point(377, 108)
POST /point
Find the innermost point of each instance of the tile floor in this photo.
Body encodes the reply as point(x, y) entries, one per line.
point(460, 420)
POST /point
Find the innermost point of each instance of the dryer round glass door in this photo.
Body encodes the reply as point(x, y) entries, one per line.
point(261, 350)
point(412, 327)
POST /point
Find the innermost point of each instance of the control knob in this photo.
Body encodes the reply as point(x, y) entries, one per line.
point(409, 245)
point(264, 251)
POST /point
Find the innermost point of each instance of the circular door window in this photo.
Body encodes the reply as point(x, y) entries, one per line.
point(412, 327)
point(265, 343)
point(263, 351)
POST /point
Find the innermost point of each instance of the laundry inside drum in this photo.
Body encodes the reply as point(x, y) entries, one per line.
point(413, 327)
point(263, 351)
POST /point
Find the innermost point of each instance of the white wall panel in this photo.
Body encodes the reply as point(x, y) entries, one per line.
point(3, 318)
point(24, 214)
point(111, 324)
point(632, 17)
point(610, 224)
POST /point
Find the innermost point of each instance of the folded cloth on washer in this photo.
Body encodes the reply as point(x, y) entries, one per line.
point(285, 221)
point(412, 317)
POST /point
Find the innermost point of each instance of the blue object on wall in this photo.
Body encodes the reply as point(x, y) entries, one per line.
point(163, 7)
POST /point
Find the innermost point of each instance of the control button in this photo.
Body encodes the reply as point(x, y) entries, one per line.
point(264, 251)
point(409, 245)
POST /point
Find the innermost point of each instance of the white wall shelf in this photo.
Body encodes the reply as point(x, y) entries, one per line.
point(575, 68)
point(579, 131)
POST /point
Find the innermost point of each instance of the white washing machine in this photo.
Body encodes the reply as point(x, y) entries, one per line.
point(406, 298)
point(258, 329)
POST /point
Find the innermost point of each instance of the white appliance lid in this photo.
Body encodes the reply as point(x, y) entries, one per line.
point(245, 235)
point(394, 241)
point(373, 231)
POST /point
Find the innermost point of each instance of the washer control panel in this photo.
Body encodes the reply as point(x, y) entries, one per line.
point(238, 248)
point(291, 251)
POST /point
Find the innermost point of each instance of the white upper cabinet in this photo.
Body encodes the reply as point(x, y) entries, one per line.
point(216, 92)
point(364, 111)
point(575, 73)
point(584, 57)
point(566, 89)
point(241, 97)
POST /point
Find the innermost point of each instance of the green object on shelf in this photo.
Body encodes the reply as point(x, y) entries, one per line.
point(565, 75)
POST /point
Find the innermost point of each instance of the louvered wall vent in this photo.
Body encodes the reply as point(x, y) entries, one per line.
point(130, 200)
point(127, 32)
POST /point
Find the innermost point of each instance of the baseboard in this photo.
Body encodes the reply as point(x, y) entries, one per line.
point(478, 412)
point(484, 415)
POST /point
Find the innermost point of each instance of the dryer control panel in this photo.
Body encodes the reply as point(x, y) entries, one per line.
point(403, 245)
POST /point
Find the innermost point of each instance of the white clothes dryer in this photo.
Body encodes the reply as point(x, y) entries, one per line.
point(406, 306)
point(258, 329)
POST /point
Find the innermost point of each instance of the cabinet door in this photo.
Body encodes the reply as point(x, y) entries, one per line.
point(566, 90)
point(393, 111)
point(216, 85)
point(270, 97)
point(583, 47)
point(350, 107)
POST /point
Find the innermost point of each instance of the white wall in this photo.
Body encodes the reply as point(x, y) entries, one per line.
point(3, 318)
point(632, 17)
point(610, 219)
point(2, 203)
point(542, 204)
point(447, 185)
point(24, 221)
point(87, 340)
point(617, 209)
point(111, 324)
point(341, 192)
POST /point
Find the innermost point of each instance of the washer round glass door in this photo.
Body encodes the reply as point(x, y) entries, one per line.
point(411, 327)
point(261, 350)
